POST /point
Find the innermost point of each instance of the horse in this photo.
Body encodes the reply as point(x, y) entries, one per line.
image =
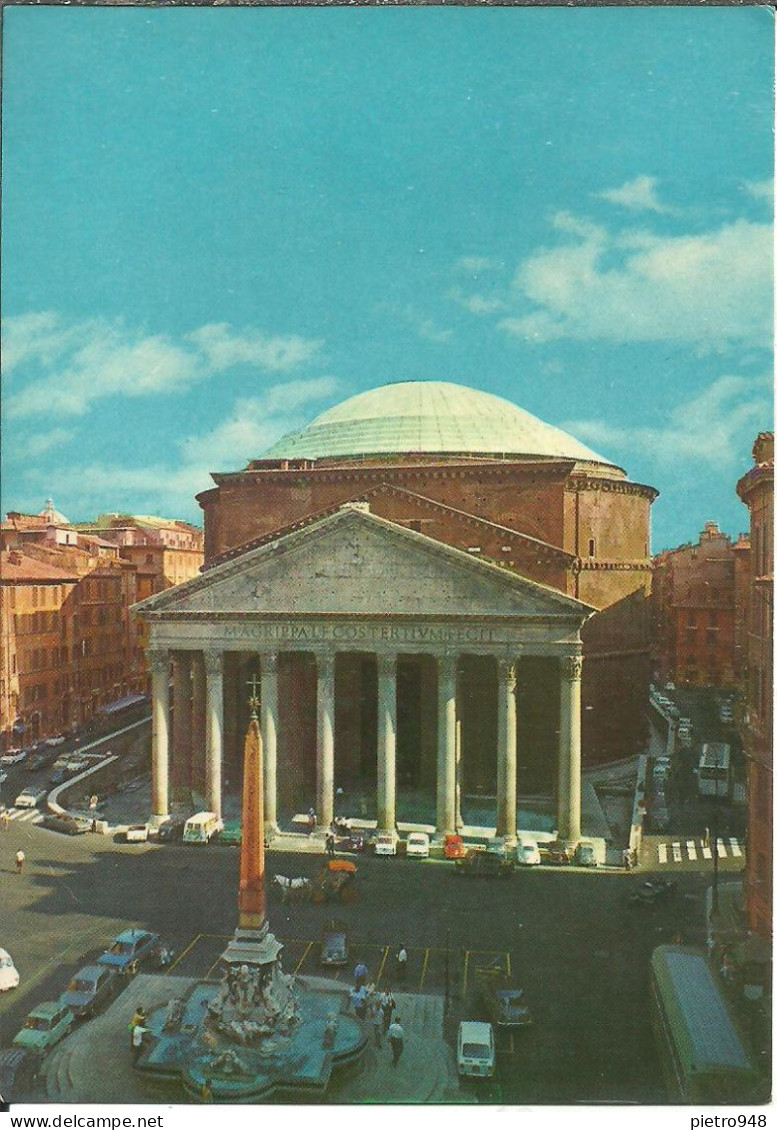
point(292, 889)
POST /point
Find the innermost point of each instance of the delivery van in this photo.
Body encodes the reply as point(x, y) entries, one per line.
point(200, 828)
point(475, 1050)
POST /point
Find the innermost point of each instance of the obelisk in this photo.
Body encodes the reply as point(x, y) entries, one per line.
point(252, 898)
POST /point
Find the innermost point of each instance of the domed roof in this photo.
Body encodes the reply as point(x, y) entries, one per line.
point(429, 417)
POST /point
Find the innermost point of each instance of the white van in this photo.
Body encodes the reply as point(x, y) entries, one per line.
point(200, 828)
point(475, 1049)
point(418, 845)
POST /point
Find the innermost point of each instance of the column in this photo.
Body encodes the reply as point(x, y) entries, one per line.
point(182, 719)
point(270, 740)
point(446, 745)
point(571, 670)
point(198, 721)
point(507, 750)
point(159, 661)
point(387, 743)
point(325, 741)
point(214, 727)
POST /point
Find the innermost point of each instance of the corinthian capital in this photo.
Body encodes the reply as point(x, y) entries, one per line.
point(158, 660)
point(572, 667)
point(214, 662)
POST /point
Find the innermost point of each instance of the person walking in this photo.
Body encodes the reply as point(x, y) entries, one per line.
point(360, 975)
point(377, 1024)
point(138, 1035)
point(20, 857)
point(396, 1038)
point(138, 1019)
point(387, 1007)
point(330, 845)
point(402, 963)
point(311, 821)
point(6, 818)
point(627, 858)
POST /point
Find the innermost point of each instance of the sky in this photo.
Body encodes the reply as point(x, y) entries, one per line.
point(218, 223)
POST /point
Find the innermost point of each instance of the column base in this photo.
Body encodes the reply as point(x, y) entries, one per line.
point(157, 819)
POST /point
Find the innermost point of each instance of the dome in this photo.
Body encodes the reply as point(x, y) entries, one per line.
point(429, 417)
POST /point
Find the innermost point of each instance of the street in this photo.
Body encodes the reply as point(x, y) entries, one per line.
point(572, 941)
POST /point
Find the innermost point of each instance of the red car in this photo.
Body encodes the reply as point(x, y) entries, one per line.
point(453, 847)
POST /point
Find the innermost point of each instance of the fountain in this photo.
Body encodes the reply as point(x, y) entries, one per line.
point(256, 1033)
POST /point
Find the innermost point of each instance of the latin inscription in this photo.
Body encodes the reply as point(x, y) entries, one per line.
point(358, 633)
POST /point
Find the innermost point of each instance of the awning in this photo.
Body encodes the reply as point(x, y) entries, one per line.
point(123, 703)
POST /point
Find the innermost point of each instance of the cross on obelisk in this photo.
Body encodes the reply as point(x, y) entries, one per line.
point(253, 700)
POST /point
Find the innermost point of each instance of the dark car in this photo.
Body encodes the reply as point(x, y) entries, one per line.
point(130, 949)
point(555, 852)
point(18, 1071)
point(484, 864)
point(92, 987)
point(68, 825)
point(170, 831)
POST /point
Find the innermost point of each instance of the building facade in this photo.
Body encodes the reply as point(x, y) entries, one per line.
point(756, 490)
point(695, 611)
point(415, 682)
point(70, 647)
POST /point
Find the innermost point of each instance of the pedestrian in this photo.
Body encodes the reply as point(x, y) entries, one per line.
point(627, 858)
point(387, 1007)
point(311, 821)
point(20, 857)
point(706, 837)
point(6, 820)
point(359, 975)
point(377, 1024)
point(138, 1034)
point(359, 1001)
point(330, 845)
point(402, 963)
point(138, 1018)
point(396, 1039)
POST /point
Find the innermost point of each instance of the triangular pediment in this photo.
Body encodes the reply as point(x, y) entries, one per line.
point(353, 563)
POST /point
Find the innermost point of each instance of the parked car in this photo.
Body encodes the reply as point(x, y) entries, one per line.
point(45, 1026)
point(485, 864)
point(136, 834)
point(92, 987)
point(727, 714)
point(13, 757)
point(131, 949)
point(418, 845)
point(40, 759)
point(555, 852)
point(18, 1072)
point(527, 853)
point(30, 798)
point(68, 825)
point(334, 942)
point(453, 847)
point(354, 841)
point(475, 1052)
point(9, 975)
point(170, 831)
point(230, 834)
point(385, 844)
point(58, 739)
point(585, 854)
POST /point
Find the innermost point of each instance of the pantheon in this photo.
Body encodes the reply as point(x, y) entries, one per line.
point(442, 596)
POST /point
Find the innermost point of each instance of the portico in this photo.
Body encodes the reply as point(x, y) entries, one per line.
point(352, 592)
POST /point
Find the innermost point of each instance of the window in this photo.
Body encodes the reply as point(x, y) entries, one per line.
point(592, 547)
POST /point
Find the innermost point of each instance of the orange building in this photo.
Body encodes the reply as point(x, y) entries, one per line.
point(756, 490)
point(694, 598)
point(69, 645)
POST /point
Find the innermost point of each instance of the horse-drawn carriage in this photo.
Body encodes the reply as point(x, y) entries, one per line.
point(334, 882)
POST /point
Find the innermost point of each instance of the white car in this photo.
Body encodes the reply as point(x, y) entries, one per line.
point(418, 845)
point(137, 833)
point(30, 798)
point(9, 975)
point(527, 853)
point(13, 757)
point(385, 844)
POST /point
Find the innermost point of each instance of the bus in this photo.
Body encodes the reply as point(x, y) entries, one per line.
point(702, 1055)
point(715, 770)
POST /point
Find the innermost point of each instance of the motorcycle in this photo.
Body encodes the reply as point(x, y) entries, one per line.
point(653, 891)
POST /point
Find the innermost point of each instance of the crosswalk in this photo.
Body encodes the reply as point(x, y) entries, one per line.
point(680, 851)
point(21, 815)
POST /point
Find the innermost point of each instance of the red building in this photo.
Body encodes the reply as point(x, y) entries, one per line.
point(694, 597)
point(756, 490)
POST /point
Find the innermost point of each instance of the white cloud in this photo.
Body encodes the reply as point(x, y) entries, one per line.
point(476, 264)
point(708, 290)
point(223, 348)
point(638, 195)
point(87, 361)
point(761, 190)
point(714, 427)
point(41, 442)
point(477, 303)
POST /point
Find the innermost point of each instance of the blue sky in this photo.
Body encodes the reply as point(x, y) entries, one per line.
point(219, 222)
